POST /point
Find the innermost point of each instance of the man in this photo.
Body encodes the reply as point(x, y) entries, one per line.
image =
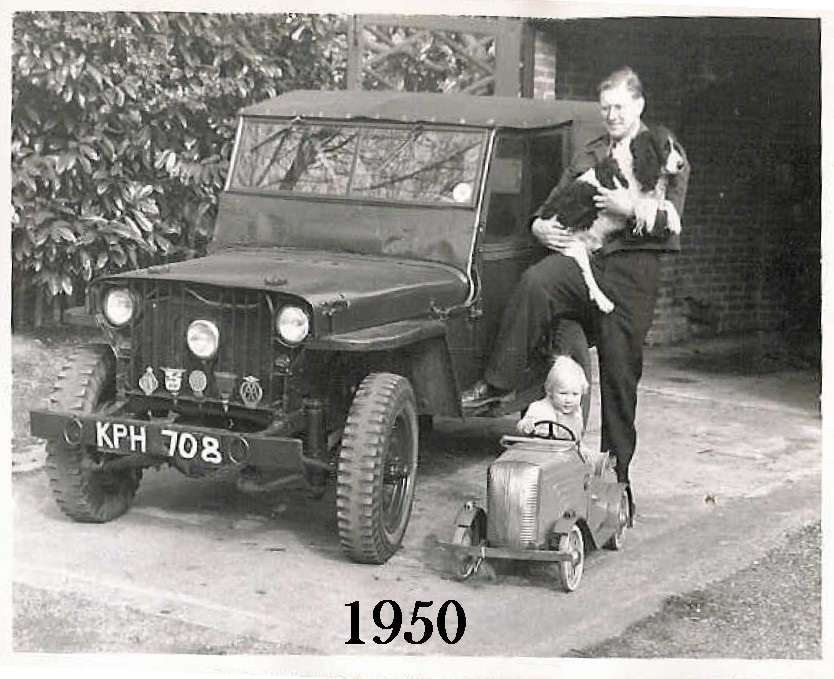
point(626, 268)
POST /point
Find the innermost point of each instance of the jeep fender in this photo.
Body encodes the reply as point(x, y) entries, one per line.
point(433, 378)
point(417, 348)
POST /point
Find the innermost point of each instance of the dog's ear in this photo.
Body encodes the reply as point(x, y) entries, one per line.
point(607, 170)
point(676, 160)
point(647, 155)
point(661, 134)
point(672, 155)
point(620, 177)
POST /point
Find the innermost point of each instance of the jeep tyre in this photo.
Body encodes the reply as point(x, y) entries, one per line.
point(377, 468)
point(82, 492)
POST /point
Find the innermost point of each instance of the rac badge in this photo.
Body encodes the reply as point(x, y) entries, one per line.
point(251, 392)
point(173, 379)
point(148, 382)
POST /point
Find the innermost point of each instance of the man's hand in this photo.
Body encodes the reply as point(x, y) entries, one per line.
point(552, 234)
point(616, 201)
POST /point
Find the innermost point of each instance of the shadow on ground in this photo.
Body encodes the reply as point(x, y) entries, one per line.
point(771, 609)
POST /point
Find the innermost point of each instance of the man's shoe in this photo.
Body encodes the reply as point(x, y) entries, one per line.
point(481, 394)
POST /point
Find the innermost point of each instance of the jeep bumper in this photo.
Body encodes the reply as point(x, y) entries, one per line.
point(161, 440)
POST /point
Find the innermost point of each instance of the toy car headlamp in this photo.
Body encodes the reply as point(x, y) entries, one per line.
point(203, 339)
point(292, 324)
point(119, 306)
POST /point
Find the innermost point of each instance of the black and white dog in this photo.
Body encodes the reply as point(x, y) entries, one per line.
point(656, 159)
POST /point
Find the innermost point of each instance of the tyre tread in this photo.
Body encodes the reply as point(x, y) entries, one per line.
point(80, 386)
point(358, 506)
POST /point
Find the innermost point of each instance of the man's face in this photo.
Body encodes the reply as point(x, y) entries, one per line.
point(620, 111)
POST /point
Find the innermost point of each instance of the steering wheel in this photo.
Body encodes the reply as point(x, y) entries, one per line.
point(551, 433)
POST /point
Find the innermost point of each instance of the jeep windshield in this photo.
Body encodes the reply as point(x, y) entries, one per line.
point(392, 163)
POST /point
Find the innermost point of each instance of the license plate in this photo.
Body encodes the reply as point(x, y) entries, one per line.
point(137, 438)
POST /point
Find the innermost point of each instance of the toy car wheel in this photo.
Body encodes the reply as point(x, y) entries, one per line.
point(377, 468)
point(84, 489)
point(569, 572)
point(615, 542)
point(463, 566)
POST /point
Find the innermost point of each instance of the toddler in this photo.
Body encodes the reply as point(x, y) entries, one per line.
point(564, 387)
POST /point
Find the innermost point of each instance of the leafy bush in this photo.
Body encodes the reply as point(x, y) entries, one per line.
point(123, 125)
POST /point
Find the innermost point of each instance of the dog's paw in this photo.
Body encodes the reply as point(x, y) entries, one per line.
point(645, 213)
point(605, 305)
point(643, 226)
point(673, 220)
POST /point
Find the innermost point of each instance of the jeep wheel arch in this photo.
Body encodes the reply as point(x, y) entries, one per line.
point(415, 348)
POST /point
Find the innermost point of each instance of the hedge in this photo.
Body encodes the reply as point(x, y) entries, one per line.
point(123, 124)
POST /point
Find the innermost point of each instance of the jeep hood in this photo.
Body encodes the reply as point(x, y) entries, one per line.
point(345, 292)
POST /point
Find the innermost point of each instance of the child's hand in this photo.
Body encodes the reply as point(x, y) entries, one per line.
point(525, 426)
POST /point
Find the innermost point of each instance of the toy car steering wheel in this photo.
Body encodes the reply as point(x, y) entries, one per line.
point(551, 434)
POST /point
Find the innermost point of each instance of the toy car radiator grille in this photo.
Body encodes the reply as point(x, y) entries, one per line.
point(513, 504)
point(158, 334)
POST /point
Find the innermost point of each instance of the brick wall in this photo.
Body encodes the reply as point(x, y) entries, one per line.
point(743, 96)
point(544, 65)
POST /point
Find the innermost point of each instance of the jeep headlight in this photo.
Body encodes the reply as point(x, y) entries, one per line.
point(119, 306)
point(203, 339)
point(292, 324)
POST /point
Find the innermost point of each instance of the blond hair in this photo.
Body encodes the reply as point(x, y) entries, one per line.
point(565, 371)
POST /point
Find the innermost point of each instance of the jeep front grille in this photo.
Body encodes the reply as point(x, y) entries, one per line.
point(158, 334)
point(513, 504)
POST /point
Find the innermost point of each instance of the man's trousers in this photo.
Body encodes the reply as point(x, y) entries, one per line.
point(554, 287)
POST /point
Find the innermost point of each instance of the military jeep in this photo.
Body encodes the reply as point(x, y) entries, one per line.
point(365, 246)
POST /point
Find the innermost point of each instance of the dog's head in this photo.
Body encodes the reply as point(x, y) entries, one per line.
point(656, 153)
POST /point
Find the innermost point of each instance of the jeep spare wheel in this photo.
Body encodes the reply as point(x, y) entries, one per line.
point(377, 468)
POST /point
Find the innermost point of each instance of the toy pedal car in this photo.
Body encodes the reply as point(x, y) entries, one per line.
point(546, 501)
